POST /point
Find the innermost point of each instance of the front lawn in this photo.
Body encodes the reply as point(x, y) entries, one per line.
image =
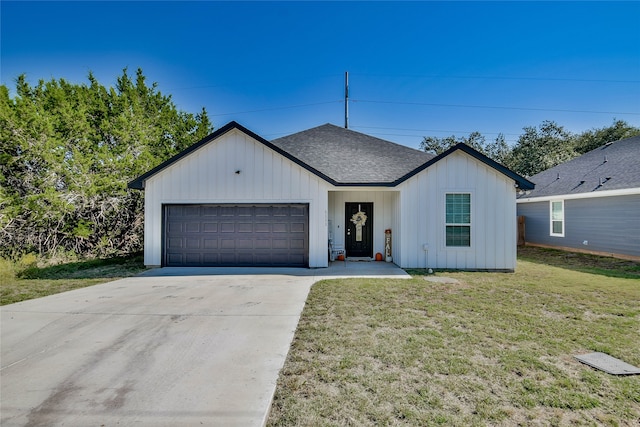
point(18, 283)
point(495, 349)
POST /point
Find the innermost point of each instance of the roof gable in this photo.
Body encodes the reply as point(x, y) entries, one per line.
point(138, 183)
point(521, 182)
point(613, 166)
point(343, 157)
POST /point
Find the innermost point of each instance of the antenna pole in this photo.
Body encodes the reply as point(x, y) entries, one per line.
point(346, 100)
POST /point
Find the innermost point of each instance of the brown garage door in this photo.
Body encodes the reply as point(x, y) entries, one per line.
point(236, 235)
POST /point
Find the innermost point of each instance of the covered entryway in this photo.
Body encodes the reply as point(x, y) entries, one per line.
point(381, 208)
point(232, 235)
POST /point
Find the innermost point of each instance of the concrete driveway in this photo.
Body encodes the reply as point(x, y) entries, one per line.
point(164, 349)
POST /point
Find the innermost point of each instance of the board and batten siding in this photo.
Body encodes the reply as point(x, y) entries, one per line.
point(385, 208)
point(607, 224)
point(208, 175)
point(493, 216)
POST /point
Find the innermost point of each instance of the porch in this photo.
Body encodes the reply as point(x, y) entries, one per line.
point(371, 269)
point(362, 236)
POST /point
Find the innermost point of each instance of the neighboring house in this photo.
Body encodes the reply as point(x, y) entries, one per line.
point(236, 199)
point(590, 203)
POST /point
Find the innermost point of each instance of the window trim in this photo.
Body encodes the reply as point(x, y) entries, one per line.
point(456, 224)
point(561, 220)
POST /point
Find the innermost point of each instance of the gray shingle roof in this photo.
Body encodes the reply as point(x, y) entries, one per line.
point(613, 166)
point(342, 157)
point(352, 157)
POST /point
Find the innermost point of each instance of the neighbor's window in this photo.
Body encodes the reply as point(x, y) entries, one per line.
point(557, 218)
point(458, 219)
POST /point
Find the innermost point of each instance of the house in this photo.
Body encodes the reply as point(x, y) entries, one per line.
point(236, 199)
point(588, 204)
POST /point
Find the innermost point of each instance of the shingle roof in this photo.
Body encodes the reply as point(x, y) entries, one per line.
point(343, 157)
point(352, 157)
point(613, 166)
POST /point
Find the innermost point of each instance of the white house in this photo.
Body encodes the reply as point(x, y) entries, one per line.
point(236, 199)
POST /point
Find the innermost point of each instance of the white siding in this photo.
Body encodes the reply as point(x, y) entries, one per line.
point(208, 175)
point(385, 208)
point(414, 210)
point(493, 216)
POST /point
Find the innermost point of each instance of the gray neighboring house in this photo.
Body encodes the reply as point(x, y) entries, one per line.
point(589, 204)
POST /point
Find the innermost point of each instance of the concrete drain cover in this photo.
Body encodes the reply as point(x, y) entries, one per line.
point(609, 364)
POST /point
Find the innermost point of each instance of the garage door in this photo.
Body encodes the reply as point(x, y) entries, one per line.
point(236, 235)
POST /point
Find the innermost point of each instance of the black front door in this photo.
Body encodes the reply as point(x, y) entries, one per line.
point(359, 229)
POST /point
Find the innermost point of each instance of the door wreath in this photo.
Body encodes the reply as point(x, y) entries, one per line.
point(359, 219)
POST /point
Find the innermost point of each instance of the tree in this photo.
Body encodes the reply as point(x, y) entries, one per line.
point(537, 149)
point(497, 150)
point(594, 138)
point(437, 146)
point(67, 152)
point(541, 148)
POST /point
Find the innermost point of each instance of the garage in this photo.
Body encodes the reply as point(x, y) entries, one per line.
point(236, 235)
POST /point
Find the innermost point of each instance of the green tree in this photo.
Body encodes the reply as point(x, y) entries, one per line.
point(538, 148)
point(435, 145)
point(594, 138)
point(541, 148)
point(67, 152)
point(497, 150)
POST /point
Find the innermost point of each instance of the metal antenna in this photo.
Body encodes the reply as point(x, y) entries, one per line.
point(346, 100)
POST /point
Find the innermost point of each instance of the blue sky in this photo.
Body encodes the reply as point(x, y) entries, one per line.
point(415, 69)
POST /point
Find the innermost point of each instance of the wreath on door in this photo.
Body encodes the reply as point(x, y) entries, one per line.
point(359, 219)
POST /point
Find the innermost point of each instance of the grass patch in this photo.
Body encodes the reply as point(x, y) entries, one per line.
point(496, 349)
point(606, 266)
point(24, 280)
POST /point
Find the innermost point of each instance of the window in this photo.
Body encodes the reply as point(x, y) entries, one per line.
point(556, 215)
point(458, 220)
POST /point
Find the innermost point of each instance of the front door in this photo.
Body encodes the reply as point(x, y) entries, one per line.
point(359, 229)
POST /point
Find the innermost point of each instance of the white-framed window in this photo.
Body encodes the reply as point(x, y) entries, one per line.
point(556, 218)
point(458, 219)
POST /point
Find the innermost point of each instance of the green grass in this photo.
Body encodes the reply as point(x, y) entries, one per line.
point(496, 349)
point(20, 281)
point(606, 266)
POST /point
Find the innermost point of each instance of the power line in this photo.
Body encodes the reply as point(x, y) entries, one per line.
point(491, 107)
point(434, 130)
point(247, 82)
point(558, 79)
point(426, 104)
point(276, 108)
point(507, 140)
point(414, 76)
point(422, 136)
